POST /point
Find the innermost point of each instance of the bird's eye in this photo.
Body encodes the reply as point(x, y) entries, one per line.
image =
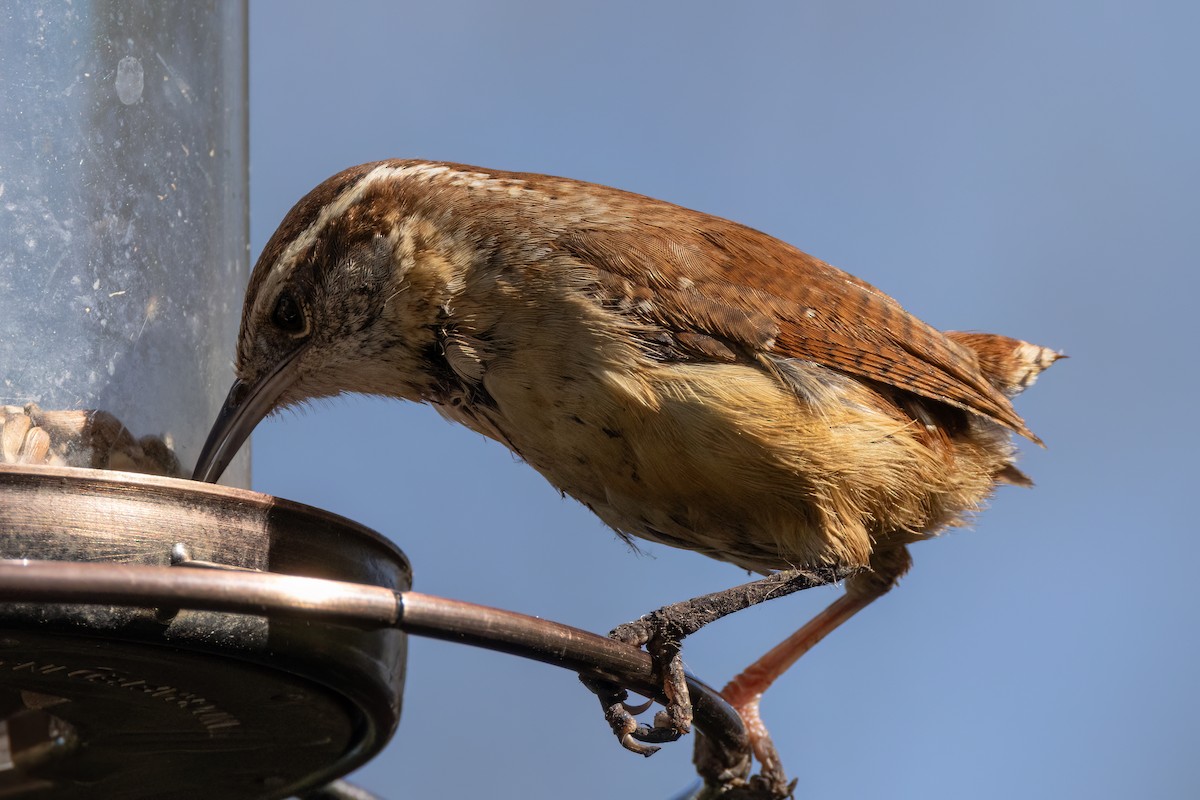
point(288, 316)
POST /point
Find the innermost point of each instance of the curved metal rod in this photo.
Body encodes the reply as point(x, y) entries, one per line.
point(367, 607)
point(241, 591)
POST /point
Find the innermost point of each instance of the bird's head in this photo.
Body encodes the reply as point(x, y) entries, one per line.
point(346, 297)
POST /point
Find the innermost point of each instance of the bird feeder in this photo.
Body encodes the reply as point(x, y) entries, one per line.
point(123, 229)
point(123, 258)
point(161, 637)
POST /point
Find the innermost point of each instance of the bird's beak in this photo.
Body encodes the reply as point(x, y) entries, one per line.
point(244, 408)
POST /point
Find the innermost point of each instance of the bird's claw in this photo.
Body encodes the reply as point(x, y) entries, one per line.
point(640, 708)
point(630, 743)
point(663, 646)
point(634, 736)
point(726, 773)
point(670, 723)
point(637, 737)
point(661, 633)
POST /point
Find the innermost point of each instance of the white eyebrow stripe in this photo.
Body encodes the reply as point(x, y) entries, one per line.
point(331, 211)
point(421, 171)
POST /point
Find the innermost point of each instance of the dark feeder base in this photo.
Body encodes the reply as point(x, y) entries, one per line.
point(168, 638)
point(126, 702)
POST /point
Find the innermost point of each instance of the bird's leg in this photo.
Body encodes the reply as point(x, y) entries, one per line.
point(662, 632)
point(745, 691)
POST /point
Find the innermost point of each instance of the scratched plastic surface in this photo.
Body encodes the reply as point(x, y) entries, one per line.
point(123, 212)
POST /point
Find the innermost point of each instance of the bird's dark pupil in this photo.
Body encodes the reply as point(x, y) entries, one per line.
point(287, 314)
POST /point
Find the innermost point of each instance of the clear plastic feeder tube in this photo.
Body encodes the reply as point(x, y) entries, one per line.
point(123, 229)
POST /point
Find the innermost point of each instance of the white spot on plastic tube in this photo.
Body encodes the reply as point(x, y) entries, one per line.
point(130, 80)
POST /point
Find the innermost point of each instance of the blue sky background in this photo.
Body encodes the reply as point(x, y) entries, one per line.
point(1027, 168)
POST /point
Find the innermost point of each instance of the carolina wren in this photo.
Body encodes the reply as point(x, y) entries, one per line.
point(690, 380)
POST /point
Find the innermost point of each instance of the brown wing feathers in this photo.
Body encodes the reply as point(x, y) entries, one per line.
point(728, 287)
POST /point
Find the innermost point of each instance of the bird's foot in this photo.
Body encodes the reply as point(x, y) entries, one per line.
point(662, 632)
point(727, 774)
point(771, 780)
point(622, 718)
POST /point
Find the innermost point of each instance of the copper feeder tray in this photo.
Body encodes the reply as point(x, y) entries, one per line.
point(167, 637)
